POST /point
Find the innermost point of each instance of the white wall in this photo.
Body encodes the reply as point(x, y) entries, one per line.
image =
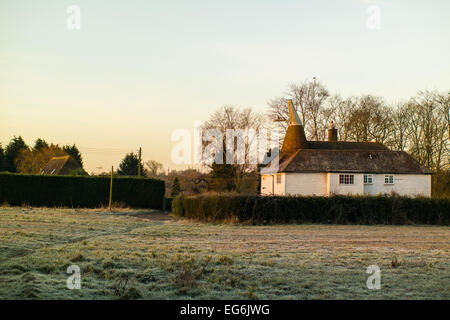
point(306, 184)
point(335, 188)
point(279, 188)
point(326, 184)
point(404, 184)
point(266, 184)
point(269, 185)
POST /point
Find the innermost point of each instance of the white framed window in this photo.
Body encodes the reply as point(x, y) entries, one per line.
point(388, 179)
point(368, 179)
point(346, 179)
point(278, 178)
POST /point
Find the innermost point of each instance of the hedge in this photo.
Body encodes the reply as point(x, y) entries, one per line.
point(80, 191)
point(168, 203)
point(321, 210)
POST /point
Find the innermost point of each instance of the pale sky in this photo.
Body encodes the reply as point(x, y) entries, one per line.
point(139, 69)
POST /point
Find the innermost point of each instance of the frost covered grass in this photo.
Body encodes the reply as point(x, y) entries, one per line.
point(136, 254)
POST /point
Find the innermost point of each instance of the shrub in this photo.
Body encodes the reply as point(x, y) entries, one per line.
point(176, 187)
point(80, 191)
point(177, 206)
point(304, 209)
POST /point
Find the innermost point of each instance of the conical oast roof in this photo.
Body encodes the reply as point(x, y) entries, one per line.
point(295, 138)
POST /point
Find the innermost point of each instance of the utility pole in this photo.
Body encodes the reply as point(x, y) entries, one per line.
point(139, 163)
point(313, 99)
point(110, 187)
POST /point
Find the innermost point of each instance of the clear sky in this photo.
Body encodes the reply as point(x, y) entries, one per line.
point(138, 69)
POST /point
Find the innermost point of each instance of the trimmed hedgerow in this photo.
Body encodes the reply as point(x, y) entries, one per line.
point(323, 210)
point(168, 203)
point(80, 191)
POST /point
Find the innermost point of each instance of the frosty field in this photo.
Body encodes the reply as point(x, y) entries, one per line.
point(138, 254)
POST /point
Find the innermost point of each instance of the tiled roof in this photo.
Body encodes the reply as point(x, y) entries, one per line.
point(60, 166)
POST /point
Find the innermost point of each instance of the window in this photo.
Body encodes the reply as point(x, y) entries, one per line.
point(278, 178)
point(388, 179)
point(368, 179)
point(346, 179)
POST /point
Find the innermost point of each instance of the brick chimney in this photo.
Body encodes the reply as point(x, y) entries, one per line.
point(332, 133)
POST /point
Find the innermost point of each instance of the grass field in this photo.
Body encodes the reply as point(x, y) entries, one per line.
point(130, 254)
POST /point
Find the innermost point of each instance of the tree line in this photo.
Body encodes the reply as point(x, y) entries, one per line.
point(18, 157)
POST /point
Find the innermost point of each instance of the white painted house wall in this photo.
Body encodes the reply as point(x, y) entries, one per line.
point(279, 186)
point(266, 184)
point(404, 184)
point(271, 186)
point(345, 189)
point(326, 184)
point(313, 184)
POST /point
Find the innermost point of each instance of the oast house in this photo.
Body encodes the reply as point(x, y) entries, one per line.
point(324, 168)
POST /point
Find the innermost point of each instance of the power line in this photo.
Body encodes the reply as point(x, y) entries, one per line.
point(104, 151)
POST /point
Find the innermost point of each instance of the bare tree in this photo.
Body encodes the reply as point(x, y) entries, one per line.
point(341, 115)
point(381, 126)
point(233, 169)
point(309, 99)
point(317, 94)
point(369, 120)
point(443, 101)
point(401, 123)
point(154, 167)
point(279, 113)
point(429, 129)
